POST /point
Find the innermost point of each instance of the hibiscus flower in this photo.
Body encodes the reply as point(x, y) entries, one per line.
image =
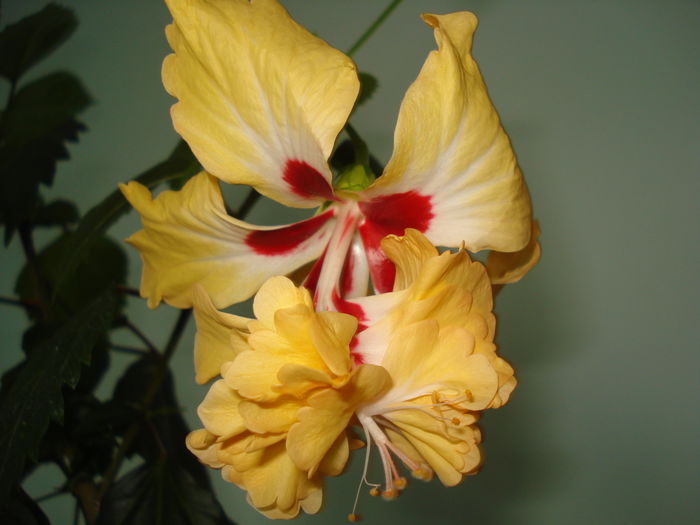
point(261, 102)
point(295, 380)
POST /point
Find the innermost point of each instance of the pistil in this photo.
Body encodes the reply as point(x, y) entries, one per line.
point(337, 251)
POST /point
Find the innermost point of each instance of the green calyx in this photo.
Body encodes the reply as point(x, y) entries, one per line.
point(354, 178)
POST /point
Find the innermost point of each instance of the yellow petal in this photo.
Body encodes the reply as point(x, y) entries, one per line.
point(203, 445)
point(408, 253)
point(506, 382)
point(246, 450)
point(189, 238)
point(275, 294)
point(448, 456)
point(506, 268)
point(220, 336)
point(423, 358)
point(276, 487)
point(331, 333)
point(449, 147)
point(255, 91)
point(219, 411)
point(293, 324)
point(448, 288)
point(297, 380)
point(273, 417)
point(255, 374)
point(333, 463)
point(327, 415)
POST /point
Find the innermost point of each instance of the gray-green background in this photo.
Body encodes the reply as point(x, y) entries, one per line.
point(600, 99)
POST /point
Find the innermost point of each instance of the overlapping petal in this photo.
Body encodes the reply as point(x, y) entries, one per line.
point(189, 238)
point(293, 349)
point(260, 99)
point(434, 337)
point(510, 267)
point(260, 465)
point(328, 413)
point(219, 338)
point(448, 288)
point(450, 451)
point(452, 160)
point(289, 370)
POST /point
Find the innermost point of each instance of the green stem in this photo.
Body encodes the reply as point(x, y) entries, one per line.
point(58, 492)
point(247, 205)
point(126, 290)
point(148, 398)
point(125, 349)
point(140, 335)
point(175, 335)
point(359, 145)
point(17, 302)
point(375, 25)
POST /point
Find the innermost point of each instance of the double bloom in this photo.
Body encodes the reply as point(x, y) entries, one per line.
point(261, 102)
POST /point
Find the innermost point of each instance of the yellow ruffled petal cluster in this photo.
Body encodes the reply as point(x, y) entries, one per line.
point(276, 422)
point(441, 359)
point(453, 290)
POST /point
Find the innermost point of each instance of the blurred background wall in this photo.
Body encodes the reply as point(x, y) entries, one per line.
point(600, 99)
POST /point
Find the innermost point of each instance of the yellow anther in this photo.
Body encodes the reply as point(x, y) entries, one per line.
point(400, 483)
point(374, 491)
point(455, 421)
point(422, 474)
point(354, 517)
point(390, 494)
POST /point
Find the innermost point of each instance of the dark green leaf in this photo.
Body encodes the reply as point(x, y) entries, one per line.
point(90, 448)
point(160, 493)
point(56, 213)
point(28, 41)
point(101, 266)
point(171, 487)
point(42, 106)
point(180, 163)
point(368, 85)
point(22, 510)
point(35, 396)
point(35, 128)
point(166, 429)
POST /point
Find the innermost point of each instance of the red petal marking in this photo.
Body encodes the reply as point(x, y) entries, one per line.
point(391, 214)
point(287, 238)
point(346, 274)
point(398, 211)
point(380, 268)
point(351, 308)
point(306, 181)
point(311, 280)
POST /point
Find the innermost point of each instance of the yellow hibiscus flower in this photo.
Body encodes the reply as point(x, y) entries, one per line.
point(261, 102)
point(414, 375)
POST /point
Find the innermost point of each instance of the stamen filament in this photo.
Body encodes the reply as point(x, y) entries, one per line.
point(353, 516)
